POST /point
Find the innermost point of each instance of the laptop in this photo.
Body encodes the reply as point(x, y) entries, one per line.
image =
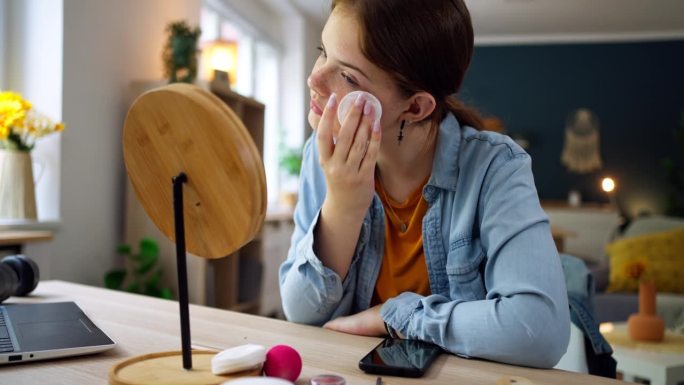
point(30, 332)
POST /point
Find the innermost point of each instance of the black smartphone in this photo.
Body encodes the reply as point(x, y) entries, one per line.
point(399, 357)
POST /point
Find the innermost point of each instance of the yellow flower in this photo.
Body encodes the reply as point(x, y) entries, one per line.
point(4, 131)
point(12, 112)
point(636, 270)
point(20, 126)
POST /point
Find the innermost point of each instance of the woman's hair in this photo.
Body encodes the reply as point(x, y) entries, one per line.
point(425, 45)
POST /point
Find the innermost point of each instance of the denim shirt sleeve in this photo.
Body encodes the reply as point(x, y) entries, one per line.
point(311, 292)
point(524, 317)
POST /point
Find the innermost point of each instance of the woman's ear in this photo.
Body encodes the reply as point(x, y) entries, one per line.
point(420, 106)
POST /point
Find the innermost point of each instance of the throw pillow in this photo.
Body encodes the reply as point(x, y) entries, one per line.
point(661, 255)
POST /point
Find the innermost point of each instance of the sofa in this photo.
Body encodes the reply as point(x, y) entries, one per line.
point(618, 306)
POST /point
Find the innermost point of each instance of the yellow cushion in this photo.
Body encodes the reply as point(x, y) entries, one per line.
point(660, 254)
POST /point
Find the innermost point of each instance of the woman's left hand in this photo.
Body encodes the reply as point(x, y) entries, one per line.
point(366, 323)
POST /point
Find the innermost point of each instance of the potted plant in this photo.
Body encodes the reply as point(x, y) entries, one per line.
point(645, 325)
point(20, 127)
point(180, 52)
point(141, 275)
point(290, 164)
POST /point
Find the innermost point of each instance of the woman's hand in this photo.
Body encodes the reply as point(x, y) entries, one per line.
point(349, 165)
point(349, 170)
point(365, 323)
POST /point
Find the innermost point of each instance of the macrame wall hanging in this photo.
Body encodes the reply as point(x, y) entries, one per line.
point(581, 150)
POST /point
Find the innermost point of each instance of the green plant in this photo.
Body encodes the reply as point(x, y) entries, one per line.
point(142, 274)
point(180, 52)
point(291, 160)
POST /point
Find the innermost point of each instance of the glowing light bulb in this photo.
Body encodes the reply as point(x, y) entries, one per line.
point(608, 184)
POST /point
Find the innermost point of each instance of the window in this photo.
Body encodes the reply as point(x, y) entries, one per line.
point(3, 48)
point(257, 68)
point(24, 69)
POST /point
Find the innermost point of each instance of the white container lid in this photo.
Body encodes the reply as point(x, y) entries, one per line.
point(258, 381)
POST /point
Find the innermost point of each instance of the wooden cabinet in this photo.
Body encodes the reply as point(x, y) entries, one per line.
point(233, 282)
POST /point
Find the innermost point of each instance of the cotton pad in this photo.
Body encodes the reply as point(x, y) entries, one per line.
point(237, 359)
point(349, 99)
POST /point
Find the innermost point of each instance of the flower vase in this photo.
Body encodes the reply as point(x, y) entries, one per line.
point(17, 190)
point(646, 325)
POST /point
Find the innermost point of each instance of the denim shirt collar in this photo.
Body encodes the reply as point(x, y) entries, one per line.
point(444, 169)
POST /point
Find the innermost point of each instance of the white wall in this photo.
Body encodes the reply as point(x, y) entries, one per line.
point(3, 44)
point(312, 36)
point(253, 17)
point(107, 44)
point(34, 68)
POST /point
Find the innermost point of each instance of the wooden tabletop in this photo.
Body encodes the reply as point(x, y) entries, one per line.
point(142, 325)
point(12, 237)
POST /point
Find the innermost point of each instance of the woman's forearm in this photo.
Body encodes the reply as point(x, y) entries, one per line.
point(336, 236)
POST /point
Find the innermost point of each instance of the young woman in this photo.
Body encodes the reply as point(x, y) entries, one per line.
point(418, 225)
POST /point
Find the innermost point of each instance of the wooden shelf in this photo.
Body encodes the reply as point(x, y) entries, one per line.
point(15, 237)
point(585, 206)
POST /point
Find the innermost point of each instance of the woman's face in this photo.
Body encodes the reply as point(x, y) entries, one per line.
point(342, 68)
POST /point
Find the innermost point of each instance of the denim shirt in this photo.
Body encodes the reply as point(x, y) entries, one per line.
point(497, 286)
point(580, 284)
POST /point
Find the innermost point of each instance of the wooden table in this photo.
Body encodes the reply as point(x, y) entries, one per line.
point(661, 363)
point(143, 325)
point(13, 240)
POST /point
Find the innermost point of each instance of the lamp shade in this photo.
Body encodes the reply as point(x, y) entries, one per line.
point(221, 55)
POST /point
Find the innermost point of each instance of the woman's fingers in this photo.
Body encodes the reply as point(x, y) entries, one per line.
point(371, 156)
point(361, 139)
point(345, 136)
point(324, 134)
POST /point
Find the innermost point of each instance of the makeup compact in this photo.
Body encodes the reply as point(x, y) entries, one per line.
point(327, 379)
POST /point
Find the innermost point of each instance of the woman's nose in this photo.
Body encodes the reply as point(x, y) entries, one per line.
point(317, 83)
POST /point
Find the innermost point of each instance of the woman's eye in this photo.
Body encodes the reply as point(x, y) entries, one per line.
point(349, 80)
point(323, 53)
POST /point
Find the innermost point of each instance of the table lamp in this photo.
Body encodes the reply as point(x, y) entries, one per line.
point(196, 172)
point(608, 186)
point(220, 61)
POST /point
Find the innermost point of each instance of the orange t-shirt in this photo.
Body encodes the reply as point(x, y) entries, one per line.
point(403, 265)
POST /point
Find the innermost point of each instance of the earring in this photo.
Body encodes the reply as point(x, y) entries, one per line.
point(401, 132)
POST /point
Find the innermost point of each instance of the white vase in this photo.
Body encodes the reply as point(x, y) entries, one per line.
point(17, 189)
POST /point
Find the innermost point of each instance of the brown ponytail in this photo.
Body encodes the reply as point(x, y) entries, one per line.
point(466, 116)
point(425, 45)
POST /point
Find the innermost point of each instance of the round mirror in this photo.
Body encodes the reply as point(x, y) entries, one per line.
point(183, 128)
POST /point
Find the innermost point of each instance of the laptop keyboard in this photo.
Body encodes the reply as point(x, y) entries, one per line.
point(5, 341)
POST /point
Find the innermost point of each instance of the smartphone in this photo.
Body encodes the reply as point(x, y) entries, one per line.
point(399, 357)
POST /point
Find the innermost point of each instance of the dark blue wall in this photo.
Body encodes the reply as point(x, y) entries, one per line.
point(635, 89)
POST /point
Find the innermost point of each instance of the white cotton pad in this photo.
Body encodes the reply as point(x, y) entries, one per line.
point(349, 99)
point(237, 359)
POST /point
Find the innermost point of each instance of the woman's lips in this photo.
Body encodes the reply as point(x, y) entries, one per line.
point(314, 107)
